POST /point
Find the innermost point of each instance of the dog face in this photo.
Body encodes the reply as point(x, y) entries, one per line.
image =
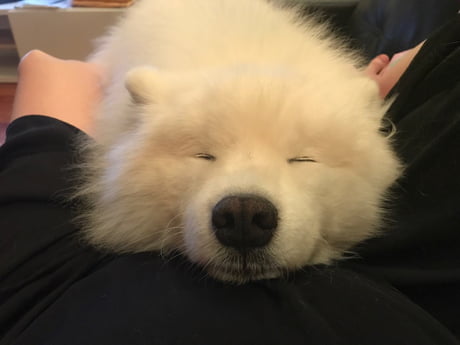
point(249, 172)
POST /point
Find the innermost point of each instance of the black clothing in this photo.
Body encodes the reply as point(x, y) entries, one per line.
point(391, 26)
point(420, 254)
point(55, 290)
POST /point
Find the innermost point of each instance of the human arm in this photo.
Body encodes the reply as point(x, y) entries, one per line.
point(67, 90)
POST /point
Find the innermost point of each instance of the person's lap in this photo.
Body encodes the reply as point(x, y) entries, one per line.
point(143, 297)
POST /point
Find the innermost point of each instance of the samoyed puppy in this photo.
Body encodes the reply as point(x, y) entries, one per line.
point(236, 133)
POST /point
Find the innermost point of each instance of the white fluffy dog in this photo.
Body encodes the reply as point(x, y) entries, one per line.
point(237, 134)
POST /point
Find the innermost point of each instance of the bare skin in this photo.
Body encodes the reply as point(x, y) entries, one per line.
point(386, 72)
point(67, 90)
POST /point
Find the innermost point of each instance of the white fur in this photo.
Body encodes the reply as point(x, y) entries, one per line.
point(253, 86)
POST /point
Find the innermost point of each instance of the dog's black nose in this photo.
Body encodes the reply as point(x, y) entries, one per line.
point(244, 221)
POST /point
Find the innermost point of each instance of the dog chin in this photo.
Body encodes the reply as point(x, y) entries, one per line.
point(242, 267)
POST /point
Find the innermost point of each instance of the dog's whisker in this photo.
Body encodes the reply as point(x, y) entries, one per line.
point(170, 234)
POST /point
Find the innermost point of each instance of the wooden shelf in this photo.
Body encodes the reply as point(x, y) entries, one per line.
point(6, 39)
point(8, 65)
point(8, 53)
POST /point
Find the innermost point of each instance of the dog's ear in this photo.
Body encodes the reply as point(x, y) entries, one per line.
point(145, 84)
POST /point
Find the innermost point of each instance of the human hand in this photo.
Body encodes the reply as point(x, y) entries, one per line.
point(67, 90)
point(386, 72)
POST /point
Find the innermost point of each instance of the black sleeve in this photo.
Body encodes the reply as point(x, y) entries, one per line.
point(55, 290)
point(39, 259)
point(420, 252)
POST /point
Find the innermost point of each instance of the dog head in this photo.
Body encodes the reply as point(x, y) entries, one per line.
point(250, 172)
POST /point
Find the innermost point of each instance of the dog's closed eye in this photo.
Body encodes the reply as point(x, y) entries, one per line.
point(205, 156)
point(301, 159)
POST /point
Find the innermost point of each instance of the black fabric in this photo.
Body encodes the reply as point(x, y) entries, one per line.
point(391, 26)
point(56, 290)
point(39, 256)
point(420, 253)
